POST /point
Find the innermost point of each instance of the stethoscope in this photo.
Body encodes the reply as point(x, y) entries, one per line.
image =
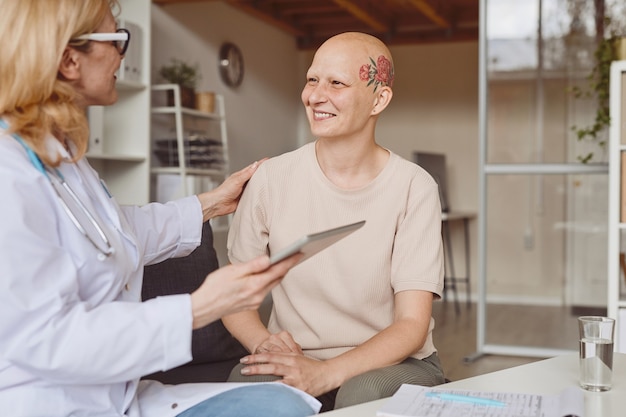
point(71, 203)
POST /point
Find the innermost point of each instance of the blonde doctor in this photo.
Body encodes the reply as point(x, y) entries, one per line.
point(74, 335)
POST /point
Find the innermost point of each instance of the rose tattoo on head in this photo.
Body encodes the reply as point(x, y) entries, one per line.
point(377, 73)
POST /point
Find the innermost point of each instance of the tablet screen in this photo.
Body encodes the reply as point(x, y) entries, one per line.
point(311, 244)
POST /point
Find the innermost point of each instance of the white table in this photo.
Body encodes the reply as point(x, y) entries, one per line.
point(549, 376)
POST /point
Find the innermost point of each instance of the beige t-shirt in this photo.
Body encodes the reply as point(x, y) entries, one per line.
point(344, 295)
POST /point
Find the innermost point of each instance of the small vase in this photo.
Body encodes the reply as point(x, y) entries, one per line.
point(205, 101)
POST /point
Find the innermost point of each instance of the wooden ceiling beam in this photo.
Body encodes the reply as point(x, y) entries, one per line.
point(162, 2)
point(427, 10)
point(310, 10)
point(410, 38)
point(363, 15)
point(265, 17)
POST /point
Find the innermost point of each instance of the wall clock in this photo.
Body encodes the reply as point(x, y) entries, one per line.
point(231, 64)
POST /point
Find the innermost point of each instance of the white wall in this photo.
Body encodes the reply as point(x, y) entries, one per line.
point(261, 112)
point(435, 108)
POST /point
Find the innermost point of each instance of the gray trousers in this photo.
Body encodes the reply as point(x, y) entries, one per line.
point(371, 385)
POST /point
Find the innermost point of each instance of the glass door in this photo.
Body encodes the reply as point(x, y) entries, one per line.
point(543, 214)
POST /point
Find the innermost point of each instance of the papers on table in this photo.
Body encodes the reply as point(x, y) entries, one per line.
point(418, 401)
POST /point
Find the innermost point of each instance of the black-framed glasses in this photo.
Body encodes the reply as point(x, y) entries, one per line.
point(120, 39)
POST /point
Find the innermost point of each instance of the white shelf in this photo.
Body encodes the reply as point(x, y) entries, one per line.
point(124, 85)
point(116, 157)
point(617, 228)
point(186, 111)
point(189, 146)
point(189, 171)
point(120, 133)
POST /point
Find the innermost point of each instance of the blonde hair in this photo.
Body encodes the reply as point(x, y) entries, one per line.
point(34, 99)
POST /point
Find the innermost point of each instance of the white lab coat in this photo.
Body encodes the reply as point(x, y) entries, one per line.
point(74, 338)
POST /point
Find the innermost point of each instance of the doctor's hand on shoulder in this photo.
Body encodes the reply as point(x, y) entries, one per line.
point(224, 198)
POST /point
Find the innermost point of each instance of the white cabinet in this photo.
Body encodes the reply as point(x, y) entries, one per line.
point(189, 147)
point(617, 203)
point(119, 146)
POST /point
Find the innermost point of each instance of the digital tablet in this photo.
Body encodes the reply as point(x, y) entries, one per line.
point(310, 244)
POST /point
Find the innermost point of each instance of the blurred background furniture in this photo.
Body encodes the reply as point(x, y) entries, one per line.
point(435, 165)
point(451, 279)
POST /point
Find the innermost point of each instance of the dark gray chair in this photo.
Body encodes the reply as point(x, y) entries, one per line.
point(215, 351)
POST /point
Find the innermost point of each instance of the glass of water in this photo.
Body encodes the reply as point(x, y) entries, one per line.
point(596, 352)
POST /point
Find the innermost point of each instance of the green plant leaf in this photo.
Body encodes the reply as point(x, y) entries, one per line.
point(181, 73)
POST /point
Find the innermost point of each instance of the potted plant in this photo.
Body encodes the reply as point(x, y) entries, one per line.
point(608, 50)
point(186, 76)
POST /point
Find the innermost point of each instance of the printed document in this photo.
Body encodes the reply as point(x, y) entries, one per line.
point(418, 401)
